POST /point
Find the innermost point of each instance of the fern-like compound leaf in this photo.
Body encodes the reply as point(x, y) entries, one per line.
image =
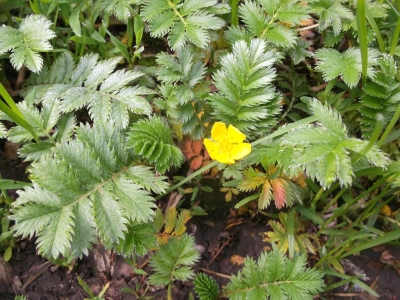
point(272, 19)
point(246, 98)
point(152, 139)
point(332, 13)
point(174, 260)
point(93, 84)
point(122, 9)
point(43, 123)
point(139, 239)
point(85, 188)
point(382, 96)
point(324, 151)
point(347, 65)
point(184, 20)
point(182, 96)
point(206, 287)
point(274, 276)
point(32, 37)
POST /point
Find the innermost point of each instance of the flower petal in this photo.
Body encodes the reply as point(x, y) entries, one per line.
point(212, 148)
point(234, 135)
point(219, 131)
point(224, 158)
point(241, 150)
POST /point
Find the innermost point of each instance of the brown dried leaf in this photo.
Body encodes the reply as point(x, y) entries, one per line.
point(379, 248)
point(237, 260)
point(187, 149)
point(279, 191)
point(386, 257)
point(197, 146)
point(307, 22)
point(196, 163)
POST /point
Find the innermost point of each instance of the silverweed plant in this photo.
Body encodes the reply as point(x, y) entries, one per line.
point(297, 104)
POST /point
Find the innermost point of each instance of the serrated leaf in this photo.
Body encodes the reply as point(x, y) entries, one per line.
point(139, 239)
point(170, 219)
point(146, 136)
point(206, 287)
point(108, 218)
point(245, 94)
point(54, 239)
point(78, 86)
point(137, 203)
point(82, 190)
point(183, 217)
point(33, 151)
point(74, 22)
point(174, 260)
point(275, 275)
point(347, 64)
point(187, 22)
point(25, 43)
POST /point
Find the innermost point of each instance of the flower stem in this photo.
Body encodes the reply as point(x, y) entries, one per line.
point(198, 172)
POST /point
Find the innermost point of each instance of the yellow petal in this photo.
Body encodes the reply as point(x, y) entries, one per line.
point(224, 158)
point(241, 150)
point(219, 131)
point(234, 135)
point(212, 148)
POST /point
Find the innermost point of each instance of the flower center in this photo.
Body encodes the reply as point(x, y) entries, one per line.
point(225, 146)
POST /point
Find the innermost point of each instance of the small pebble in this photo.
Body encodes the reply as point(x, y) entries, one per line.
point(200, 248)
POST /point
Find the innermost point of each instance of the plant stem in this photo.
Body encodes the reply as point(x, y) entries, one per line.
point(198, 172)
point(169, 295)
point(318, 195)
point(234, 15)
point(362, 35)
point(395, 38)
point(372, 140)
point(391, 124)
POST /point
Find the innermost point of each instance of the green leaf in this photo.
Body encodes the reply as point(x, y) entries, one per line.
point(206, 287)
point(85, 188)
point(8, 253)
point(246, 98)
point(347, 65)
point(121, 47)
point(122, 9)
point(331, 13)
point(137, 203)
point(324, 151)
point(108, 218)
point(139, 239)
point(74, 22)
point(91, 83)
point(152, 140)
point(34, 151)
point(275, 276)
point(8, 184)
point(188, 21)
point(174, 260)
point(25, 43)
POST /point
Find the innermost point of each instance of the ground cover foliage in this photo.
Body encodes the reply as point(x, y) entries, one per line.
point(111, 124)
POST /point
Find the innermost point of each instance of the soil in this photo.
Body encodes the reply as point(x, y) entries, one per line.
point(220, 235)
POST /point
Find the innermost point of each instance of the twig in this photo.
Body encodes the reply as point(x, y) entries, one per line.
point(345, 294)
point(307, 27)
point(219, 250)
point(216, 273)
point(144, 263)
point(318, 87)
point(21, 78)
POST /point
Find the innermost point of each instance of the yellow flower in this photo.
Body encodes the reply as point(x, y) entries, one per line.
point(386, 211)
point(226, 144)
